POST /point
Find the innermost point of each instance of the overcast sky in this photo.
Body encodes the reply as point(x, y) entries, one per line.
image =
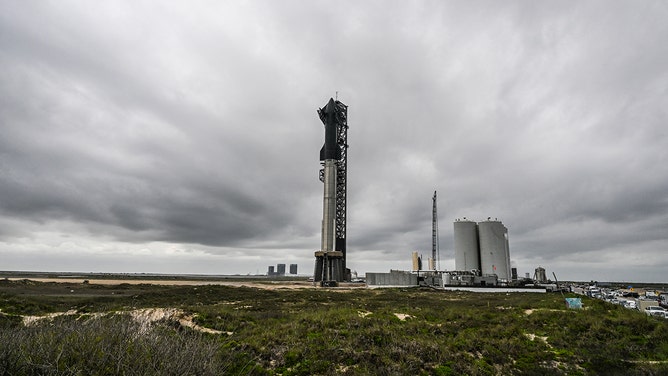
point(182, 137)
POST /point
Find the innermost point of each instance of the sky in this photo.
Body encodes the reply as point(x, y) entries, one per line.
point(182, 137)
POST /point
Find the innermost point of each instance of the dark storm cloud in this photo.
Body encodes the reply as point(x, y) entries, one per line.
point(100, 141)
point(195, 126)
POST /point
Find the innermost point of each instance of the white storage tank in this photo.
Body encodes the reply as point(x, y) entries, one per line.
point(467, 254)
point(494, 252)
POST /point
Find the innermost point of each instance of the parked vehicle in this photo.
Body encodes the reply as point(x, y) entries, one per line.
point(631, 304)
point(663, 299)
point(655, 311)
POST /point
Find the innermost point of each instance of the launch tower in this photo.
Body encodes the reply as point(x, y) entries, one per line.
point(330, 263)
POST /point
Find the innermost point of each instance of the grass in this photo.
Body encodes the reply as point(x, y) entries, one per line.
point(320, 331)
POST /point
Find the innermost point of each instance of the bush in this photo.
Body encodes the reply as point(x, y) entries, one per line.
point(109, 346)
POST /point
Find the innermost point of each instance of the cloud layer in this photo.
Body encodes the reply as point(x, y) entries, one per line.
point(183, 138)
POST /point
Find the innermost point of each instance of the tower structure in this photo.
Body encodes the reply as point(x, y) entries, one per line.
point(330, 264)
point(342, 184)
point(434, 235)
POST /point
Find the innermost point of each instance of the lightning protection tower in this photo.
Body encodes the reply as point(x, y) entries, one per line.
point(434, 235)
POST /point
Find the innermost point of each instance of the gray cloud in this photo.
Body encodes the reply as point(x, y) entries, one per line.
point(189, 132)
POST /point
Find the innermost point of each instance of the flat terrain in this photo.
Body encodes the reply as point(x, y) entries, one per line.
point(260, 327)
point(78, 282)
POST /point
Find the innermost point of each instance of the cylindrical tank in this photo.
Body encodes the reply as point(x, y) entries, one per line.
point(494, 252)
point(467, 256)
point(416, 261)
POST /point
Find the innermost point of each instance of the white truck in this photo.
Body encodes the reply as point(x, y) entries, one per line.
point(655, 311)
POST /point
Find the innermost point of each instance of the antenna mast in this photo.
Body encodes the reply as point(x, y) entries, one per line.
point(434, 236)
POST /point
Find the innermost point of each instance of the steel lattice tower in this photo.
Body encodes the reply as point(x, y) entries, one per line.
point(434, 236)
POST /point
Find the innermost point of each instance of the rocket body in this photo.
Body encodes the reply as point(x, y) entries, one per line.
point(329, 154)
point(329, 207)
point(330, 262)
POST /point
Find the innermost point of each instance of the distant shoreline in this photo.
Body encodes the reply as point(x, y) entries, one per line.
point(223, 279)
point(172, 282)
point(258, 281)
point(147, 276)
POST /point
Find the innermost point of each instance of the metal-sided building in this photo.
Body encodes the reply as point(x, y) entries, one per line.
point(393, 278)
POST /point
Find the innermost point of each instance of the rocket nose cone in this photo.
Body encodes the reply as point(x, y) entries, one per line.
point(331, 106)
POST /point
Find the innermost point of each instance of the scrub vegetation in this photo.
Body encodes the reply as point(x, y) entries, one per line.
point(66, 329)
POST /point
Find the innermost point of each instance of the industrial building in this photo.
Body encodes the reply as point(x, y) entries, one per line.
point(393, 278)
point(280, 269)
point(482, 258)
point(482, 249)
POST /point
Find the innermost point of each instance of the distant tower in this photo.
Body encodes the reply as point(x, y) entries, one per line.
point(280, 270)
point(293, 268)
point(434, 236)
point(270, 271)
